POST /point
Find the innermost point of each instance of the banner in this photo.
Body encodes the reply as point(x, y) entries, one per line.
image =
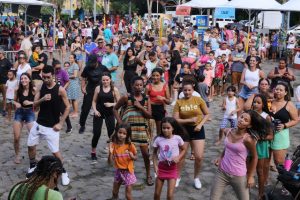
point(202, 23)
point(224, 13)
point(183, 10)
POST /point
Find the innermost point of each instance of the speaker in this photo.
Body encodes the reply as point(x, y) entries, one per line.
point(34, 11)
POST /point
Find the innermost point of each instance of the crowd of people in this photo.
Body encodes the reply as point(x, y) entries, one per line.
point(159, 74)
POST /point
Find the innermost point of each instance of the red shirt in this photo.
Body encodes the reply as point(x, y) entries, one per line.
point(219, 70)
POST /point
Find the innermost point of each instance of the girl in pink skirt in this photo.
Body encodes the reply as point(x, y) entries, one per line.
point(122, 153)
point(168, 151)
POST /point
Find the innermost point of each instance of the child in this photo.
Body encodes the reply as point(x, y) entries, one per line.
point(203, 89)
point(260, 105)
point(219, 73)
point(227, 73)
point(122, 152)
point(171, 150)
point(209, 75)
point(231, 107)
point(11, 86)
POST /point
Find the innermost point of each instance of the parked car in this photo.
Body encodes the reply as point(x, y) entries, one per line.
point(295, 30)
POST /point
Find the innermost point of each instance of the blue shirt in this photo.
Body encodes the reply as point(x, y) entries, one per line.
point(275, 40)
point(89, 47)
point(107, 35)
point(109, 61)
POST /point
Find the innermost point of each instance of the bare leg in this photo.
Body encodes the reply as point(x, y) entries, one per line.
point(115, 192)
point(171, 187)
point(17, 127)
point(279, 156)
point(128, 194)
point(158, 188)
point(198, 146)
point(145, 154)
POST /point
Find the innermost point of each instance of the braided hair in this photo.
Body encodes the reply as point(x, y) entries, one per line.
point(26, 189)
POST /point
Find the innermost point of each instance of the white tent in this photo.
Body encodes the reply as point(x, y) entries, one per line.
point(36, 3)
point(291, 5)
point(205, 3)
point(253, 4)
point(28, 2)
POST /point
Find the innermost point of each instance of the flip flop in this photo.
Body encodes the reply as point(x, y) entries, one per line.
point(149, 181)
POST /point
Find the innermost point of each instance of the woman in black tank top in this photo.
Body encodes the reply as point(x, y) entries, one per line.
point(285, 116)
point(105, 97)
point(24, 110)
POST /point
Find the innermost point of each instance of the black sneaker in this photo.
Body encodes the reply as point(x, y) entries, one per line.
point(81, 129)
point(69, 130)
point(93, 157)
point(4, 113)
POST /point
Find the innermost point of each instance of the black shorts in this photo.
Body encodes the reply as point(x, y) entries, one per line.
point(195, 135)
point(60, 42)
point(158, 112)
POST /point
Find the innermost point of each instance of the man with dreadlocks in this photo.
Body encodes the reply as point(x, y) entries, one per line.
point(49, 121)
point(41, 185)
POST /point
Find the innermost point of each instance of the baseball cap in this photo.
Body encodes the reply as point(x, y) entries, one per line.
point(28, 33)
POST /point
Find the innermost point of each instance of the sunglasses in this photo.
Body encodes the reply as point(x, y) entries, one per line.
point(148, 46)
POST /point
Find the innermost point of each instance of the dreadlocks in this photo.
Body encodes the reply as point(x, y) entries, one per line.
point(26, 189)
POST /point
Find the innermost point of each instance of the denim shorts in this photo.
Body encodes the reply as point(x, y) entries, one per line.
point(246, 92)
point(298, 105)
point(24, 115)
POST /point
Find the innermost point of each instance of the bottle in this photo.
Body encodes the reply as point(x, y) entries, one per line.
point(287, 163)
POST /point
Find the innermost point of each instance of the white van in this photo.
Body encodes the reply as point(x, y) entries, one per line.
point(267, 20)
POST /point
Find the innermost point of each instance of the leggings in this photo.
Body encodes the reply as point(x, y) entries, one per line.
point(86, 107)
point(97, 126)
point(238, 183)
point(62, 110)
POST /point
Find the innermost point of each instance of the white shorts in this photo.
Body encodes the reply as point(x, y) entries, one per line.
point(38, 132)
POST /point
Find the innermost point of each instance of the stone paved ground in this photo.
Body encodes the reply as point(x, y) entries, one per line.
point(95, 181)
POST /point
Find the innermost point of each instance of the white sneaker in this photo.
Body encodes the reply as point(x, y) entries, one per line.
point(30, 172)
point(65, 180)
point(177, 182)
point(197, 184)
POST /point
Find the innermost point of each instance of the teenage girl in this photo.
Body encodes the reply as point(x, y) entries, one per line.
point(159, 95)
point(122, 153)
point(171, 149)
point(232, 167)
point(260, 105)
point(136, 111)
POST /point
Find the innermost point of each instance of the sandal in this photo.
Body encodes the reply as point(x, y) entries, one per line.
point(273, 168)
point(149, 181)
point(192, 156)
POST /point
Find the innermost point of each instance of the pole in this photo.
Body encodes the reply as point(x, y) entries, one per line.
point(248, 36)
point(94, 12)
point(129, 11)
point(71, 9)
point(25, 18)
point(54, 28)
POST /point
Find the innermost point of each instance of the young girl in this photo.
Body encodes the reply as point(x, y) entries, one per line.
point(239, 143)
point(122, 152)
point(262, 147)
point(231, 107)
point(171, 150)
point(209, 75)
point(11, 86)
point(159, 95)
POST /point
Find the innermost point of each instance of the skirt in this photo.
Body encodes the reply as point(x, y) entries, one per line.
point(167, 170)
point(124, 177)
point(281, 140)
point(262, 148)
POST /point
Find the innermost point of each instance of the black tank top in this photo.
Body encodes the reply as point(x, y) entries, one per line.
point(283, 115)
point(49, 110)
point(105, 98)
point(22, 98)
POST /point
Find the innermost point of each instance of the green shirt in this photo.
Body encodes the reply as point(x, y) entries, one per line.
point(39, 194)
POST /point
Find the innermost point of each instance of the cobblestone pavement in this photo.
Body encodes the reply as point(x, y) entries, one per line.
point(94, 181)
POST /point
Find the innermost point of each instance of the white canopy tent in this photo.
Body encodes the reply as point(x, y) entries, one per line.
point(291, 5)
point(205, 3)
point(36, 3)
point(253, 4)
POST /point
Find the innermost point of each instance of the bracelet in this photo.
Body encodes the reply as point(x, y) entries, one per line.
point(284, 126)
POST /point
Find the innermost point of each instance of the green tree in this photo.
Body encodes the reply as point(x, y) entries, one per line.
point(122, 6)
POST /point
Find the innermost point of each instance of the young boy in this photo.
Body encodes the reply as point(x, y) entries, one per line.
point(219, 73)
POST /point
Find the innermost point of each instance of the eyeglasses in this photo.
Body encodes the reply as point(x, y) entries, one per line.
point(149, 46)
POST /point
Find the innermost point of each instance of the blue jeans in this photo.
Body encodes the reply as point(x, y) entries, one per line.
point(24, 115)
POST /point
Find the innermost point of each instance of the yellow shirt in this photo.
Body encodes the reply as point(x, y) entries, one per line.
point(189, 108)
point(35, 56)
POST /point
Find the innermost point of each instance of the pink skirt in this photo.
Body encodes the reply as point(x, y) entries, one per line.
point(124, 177)
point(167, 170)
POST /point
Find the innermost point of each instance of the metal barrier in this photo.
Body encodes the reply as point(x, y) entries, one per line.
point(57, 53)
